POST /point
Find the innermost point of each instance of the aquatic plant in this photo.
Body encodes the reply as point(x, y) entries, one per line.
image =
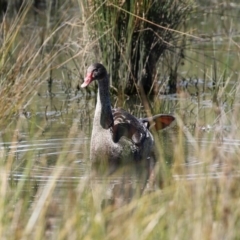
point(133, 35)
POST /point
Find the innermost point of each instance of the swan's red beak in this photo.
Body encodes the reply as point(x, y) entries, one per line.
point(88, 79)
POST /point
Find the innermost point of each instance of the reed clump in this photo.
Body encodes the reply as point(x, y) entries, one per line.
point(132, 37)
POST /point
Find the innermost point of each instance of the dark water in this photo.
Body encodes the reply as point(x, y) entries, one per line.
point(54, 131)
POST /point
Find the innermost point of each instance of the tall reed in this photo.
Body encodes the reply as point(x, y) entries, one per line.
point(133, 36)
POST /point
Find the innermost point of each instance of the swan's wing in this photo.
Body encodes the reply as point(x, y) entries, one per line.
point(128, 126)
point(159, 121)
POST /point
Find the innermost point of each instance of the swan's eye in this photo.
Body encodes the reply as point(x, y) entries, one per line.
point(98, 73)
point(94, 73)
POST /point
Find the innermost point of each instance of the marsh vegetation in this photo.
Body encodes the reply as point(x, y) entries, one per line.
point(48, 189)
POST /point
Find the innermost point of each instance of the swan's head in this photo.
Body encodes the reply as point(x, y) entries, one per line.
point(96, 71)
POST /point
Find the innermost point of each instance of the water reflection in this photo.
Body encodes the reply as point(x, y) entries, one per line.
point(120, 187)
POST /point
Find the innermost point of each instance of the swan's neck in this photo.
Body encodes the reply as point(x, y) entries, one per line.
point(103, 113)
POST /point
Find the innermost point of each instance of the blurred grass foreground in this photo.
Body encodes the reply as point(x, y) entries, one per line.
point(184, 53)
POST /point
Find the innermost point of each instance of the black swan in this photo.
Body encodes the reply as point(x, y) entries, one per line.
point(117, 135)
